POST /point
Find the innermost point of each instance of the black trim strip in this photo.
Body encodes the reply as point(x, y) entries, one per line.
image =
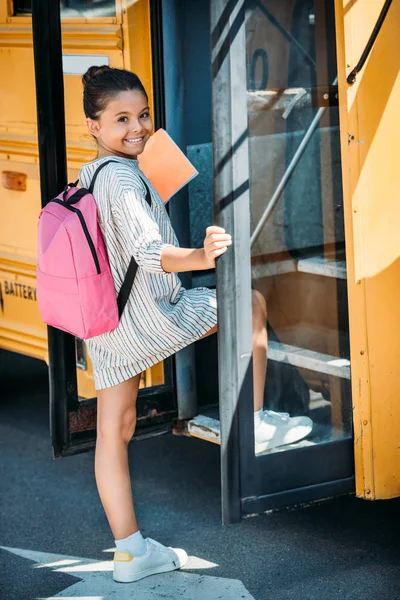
point(156, 33)
point(298, 497)
point(85, 230)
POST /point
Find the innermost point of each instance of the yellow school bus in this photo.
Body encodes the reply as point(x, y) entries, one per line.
point(289, 111)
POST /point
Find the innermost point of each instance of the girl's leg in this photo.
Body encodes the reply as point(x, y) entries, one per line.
point(271, 429)
point(116, 421)
point(260, 346)
point(135, 557)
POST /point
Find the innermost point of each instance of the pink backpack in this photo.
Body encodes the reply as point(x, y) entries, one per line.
point(75, 288)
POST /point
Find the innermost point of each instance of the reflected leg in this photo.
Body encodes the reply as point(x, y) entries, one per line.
point(271, 429)
point(260, 346)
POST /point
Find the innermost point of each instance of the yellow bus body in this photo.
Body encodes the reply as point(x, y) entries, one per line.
point(369, 120)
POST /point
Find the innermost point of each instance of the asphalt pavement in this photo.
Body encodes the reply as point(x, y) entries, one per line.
point(57, 542)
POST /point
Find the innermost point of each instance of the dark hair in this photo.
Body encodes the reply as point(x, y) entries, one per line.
point(102, 83)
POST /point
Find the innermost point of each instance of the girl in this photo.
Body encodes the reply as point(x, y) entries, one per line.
point(160, 317)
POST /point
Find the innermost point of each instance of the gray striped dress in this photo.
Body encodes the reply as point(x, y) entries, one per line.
point(161, 316)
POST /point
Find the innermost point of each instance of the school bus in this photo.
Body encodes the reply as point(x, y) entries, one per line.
point(288, 110)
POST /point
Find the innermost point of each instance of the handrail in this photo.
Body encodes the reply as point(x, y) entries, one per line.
point(353, 75)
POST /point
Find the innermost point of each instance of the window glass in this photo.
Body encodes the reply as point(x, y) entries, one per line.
point(73, 8)
point(297, 225)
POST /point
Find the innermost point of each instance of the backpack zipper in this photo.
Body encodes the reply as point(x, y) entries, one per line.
point(85, 230)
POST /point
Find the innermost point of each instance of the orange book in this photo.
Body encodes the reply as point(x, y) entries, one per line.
point(165, 165)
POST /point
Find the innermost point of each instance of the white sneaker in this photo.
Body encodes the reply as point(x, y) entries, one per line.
point(158, 559)
point(278, 429)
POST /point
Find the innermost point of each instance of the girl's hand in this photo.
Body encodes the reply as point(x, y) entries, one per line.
point(216, 243)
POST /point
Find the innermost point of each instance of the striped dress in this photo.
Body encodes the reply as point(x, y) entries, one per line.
point(161, 316)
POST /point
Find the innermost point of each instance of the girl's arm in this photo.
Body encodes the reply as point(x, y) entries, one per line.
point(179, 260)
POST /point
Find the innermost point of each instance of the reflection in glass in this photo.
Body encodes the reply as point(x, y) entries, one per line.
point(81, 355)
point(73, 8)
point(298, 252)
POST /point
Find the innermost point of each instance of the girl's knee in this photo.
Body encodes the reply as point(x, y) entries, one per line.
point(116, 411)
point(120, 428)
point(259, 306)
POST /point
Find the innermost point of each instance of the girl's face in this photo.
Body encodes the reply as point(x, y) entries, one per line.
point(125, 125)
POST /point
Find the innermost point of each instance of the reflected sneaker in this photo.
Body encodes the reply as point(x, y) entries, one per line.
point(157, 559)
point(275, 429)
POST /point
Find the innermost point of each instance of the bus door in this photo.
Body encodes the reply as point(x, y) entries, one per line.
point(94, 32)
point(278, 191)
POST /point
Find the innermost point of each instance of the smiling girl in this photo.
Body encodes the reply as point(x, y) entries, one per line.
point(160, 317)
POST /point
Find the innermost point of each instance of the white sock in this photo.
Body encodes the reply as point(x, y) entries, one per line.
point(134, 544)
point(257, 417)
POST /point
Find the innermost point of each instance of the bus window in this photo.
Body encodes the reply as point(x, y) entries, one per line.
point(73, 8)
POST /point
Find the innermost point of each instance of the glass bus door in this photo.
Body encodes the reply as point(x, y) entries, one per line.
point(278, 190)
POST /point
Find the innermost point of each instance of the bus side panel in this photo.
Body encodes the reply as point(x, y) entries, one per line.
point(369, 130)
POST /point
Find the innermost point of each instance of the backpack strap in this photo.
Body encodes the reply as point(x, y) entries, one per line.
point(126, 286)
point(97, 171)
point(130, 276)
point(104, 164)
point(148, 195)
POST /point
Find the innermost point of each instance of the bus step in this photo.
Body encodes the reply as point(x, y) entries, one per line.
point(308, 359)
point(314, 265)
point(205, 428)
point(320, 265)
point(208, 428)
